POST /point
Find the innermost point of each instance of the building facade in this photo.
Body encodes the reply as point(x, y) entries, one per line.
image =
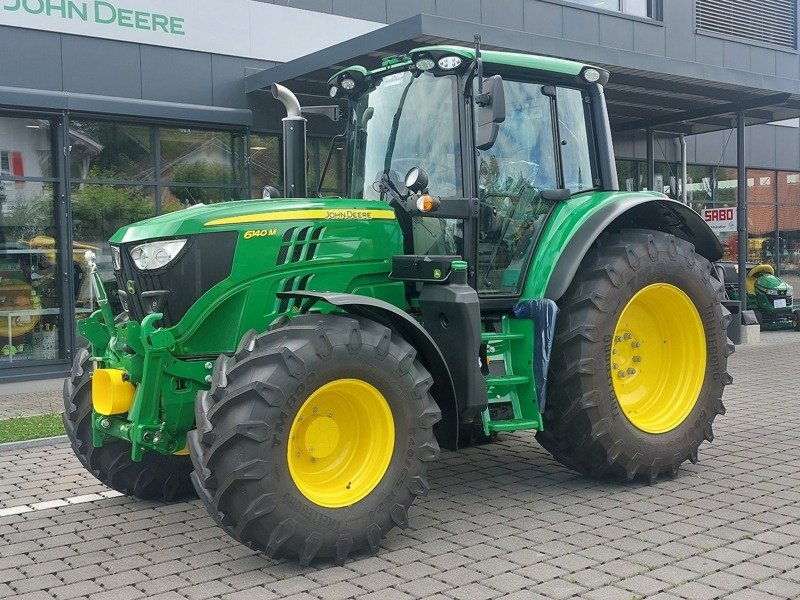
point(113, 111)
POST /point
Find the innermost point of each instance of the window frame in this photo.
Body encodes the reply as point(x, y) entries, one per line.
point(655, 9)
point(514, 76)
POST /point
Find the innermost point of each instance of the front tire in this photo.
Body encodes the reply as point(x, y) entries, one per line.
point(639, 359)
point(313, 439)
point(155, 477)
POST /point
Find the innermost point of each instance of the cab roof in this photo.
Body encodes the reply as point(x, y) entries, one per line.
point(492, 57)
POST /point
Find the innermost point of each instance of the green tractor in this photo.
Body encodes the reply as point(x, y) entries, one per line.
point(298, 362)
point(768, 296)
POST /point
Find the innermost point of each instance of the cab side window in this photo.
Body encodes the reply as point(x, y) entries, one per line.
point(511, 177)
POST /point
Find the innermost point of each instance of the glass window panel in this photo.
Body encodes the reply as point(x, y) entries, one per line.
point(105, 150)
point(97, 212)
point(761, 218)
point(761, 228)
point(577, 145)
point(640, 8)
point(200, 156)
point(333, 184)
point(30, 302)
point(406, 121)
point(788, 187)
point(265, 163)
point(628, 175)
point(511, 176)
point(789, 223)
point(25, 148)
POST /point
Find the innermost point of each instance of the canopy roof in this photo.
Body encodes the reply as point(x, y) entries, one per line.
point(644, 91)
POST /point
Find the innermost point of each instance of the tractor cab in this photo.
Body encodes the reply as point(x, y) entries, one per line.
point(499, 145)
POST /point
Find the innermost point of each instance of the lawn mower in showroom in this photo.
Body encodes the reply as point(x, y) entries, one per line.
point(768, 296)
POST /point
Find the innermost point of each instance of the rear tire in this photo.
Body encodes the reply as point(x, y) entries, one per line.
point(252, 470)
point(586, 426)
point(155, 477)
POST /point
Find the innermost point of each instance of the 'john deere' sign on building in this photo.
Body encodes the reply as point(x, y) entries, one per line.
point(100, 12)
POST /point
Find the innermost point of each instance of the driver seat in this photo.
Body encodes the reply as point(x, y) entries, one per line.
point(753, 274)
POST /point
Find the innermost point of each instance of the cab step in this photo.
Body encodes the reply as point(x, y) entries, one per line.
point(510, 384)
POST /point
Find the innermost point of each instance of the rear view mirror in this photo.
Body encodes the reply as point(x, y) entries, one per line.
point(490, 112)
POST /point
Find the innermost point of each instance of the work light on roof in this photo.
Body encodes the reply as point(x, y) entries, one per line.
point(448, 63)
point(347, 84)
point(591, 75)
point(425, 64)
point(333, 91)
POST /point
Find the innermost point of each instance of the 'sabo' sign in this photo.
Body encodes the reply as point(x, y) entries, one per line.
point(721, 220)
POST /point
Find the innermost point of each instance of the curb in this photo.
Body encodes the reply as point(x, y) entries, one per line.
point(37, 443)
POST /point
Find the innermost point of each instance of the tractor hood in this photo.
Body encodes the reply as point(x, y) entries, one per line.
point(772, 283)
point(251, 214)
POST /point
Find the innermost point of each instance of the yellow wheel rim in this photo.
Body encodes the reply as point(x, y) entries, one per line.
point(341, 443)
point(658, 358)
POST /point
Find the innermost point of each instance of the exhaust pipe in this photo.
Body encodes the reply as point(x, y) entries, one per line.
point(295, 177)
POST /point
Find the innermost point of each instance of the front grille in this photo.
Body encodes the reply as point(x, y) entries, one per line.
point(205, 260)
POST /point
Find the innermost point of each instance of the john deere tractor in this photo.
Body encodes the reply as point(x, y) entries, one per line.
point(298, 361)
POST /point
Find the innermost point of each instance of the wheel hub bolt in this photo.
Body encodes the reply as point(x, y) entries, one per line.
point(615, 366)
point(617, 339)
point(631, 371)
point(635, 344)
point(105, 423)
point(637, 359)
point(628, 336)
point(621, 374)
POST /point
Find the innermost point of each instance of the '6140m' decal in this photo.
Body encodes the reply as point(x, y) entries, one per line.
point(253, 233)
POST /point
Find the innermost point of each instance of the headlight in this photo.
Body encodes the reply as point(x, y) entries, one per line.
point(155, 255)
point(448, 63)
point(425, 64)
point(115, 258)
point(591, 75)
point(772, 292)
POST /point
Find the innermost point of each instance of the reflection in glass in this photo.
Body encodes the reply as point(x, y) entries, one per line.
point(97, 212)
point(111, 151)
point(265, 163)
point(200, 156)
point(30, 304)
point(25, 148)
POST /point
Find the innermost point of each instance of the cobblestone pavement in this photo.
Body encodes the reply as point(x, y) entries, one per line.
point(501, 521)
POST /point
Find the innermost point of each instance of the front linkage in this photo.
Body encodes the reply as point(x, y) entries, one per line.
point(160, 407)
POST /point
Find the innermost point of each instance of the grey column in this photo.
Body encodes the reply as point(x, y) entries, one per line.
point(651, 162)
point(741, 208)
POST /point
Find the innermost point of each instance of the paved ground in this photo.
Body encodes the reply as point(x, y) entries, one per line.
point(503, 521)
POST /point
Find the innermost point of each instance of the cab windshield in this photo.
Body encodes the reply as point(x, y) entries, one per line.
point(406, 121)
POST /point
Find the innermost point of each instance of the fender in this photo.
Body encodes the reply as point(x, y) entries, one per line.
point(389, 315)
point(577, 224)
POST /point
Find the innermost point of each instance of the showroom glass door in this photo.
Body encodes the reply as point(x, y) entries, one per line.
point(31, 290)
